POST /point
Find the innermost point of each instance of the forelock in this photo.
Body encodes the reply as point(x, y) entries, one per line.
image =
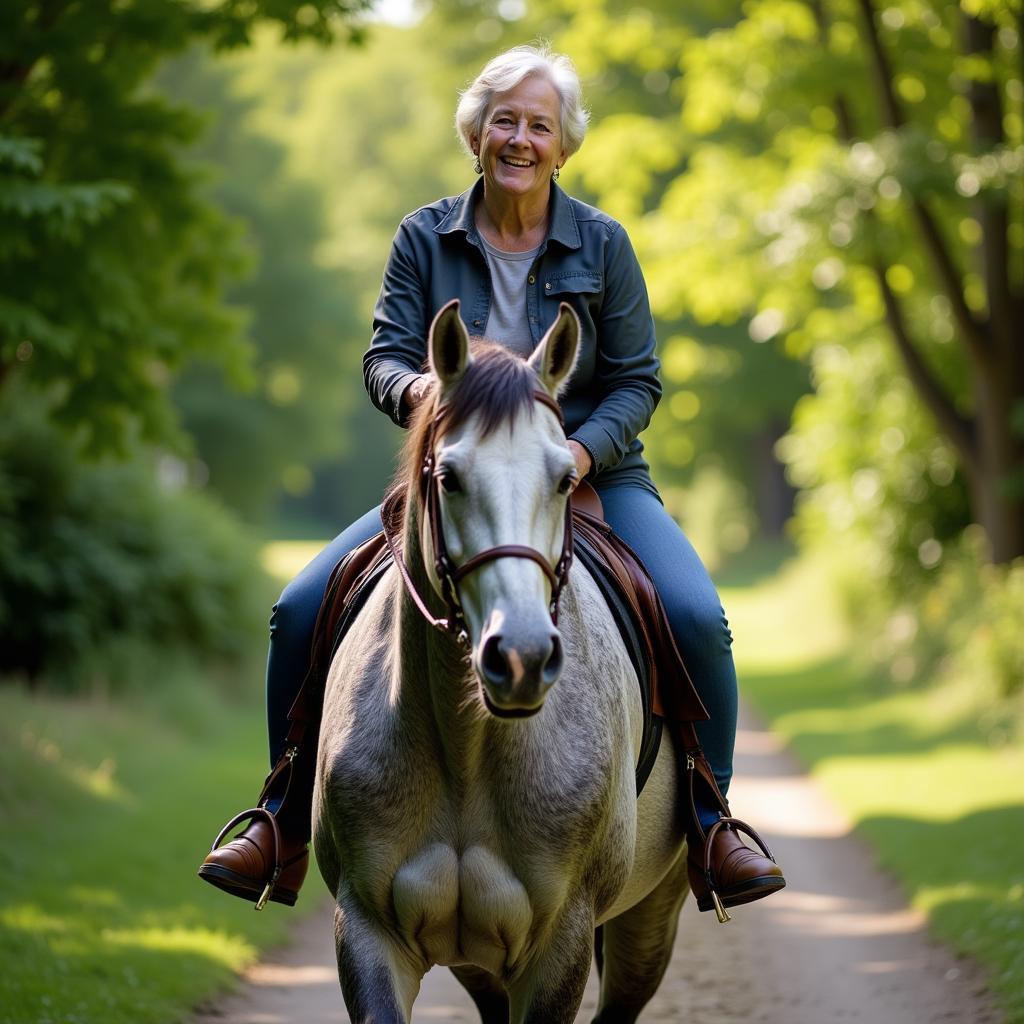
point(495, 387)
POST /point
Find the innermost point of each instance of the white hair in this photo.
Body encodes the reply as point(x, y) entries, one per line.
point(505, 72)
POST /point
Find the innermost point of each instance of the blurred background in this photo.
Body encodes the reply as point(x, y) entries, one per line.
point(196, 201)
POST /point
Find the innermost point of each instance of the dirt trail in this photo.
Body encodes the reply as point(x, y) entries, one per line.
point(839, 944)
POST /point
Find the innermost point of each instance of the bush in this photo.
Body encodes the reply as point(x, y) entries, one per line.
point(967, 623)
point(100, 559)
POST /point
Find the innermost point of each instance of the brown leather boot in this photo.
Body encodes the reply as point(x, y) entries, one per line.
point(725, 872)
point(260, 863)
point(269, 859)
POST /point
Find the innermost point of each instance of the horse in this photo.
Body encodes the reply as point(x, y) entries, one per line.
point(475, 802)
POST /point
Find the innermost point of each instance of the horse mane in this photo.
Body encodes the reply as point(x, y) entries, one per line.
point(495, 386)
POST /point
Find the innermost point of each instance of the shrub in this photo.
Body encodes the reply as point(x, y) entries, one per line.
point(99, 556)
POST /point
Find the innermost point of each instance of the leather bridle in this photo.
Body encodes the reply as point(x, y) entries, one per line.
point(450, 575)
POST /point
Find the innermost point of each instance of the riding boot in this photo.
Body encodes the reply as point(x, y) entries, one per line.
point(269, 859)
point(723, 871)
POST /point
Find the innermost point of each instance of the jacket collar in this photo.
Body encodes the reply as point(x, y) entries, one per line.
point(562, 227)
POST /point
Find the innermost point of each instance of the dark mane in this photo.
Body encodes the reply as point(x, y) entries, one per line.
point(496, 385)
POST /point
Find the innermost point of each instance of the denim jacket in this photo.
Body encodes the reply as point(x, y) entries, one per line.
point(586, 260)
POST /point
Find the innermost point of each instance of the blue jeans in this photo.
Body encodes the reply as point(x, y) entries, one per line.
point(638, 517)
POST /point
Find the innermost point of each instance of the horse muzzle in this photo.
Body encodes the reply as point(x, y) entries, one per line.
point(516, 675)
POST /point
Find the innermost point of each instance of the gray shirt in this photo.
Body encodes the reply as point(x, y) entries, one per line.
point(507, 321)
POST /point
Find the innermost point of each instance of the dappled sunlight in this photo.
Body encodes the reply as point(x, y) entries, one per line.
point(788, 623)
point(220, 946)
point(98, 781)
point(790, 806)
point(826, 914)
point(905, 784)
point(291, 975)
point(930, 897)
point(28, 917)
point(87, 896)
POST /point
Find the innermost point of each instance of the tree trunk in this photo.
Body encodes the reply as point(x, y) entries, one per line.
point(996, 482)
point(773, 495)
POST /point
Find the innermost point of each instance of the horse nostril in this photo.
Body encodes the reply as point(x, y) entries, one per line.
point(492, 661)
point(553, 666)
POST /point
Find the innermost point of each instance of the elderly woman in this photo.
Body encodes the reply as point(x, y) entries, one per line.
point(512, 248)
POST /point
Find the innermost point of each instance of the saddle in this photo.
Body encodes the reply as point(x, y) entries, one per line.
point(666, 689)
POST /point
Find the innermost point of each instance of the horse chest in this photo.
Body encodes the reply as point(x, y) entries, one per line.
point(467, 906)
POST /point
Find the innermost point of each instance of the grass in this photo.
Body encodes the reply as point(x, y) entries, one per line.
point(107, 810)
point(914, 769)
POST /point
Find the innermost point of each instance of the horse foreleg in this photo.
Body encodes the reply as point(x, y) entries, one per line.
point(550, 990)
point(488, 993)
point(378, 981)
point(637, 946)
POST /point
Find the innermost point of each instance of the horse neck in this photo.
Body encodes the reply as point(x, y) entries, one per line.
point(435, 683)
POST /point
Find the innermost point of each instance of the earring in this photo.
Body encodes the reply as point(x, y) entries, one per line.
point(477, 167)
point(554, 174)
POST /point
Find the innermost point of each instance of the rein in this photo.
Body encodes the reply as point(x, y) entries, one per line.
point(450, 575)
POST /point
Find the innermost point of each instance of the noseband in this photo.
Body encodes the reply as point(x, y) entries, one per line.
point(450, 575)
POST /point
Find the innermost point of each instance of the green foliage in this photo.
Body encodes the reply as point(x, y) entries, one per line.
point(98, 560)
point(966, 624)
point(369, 139)
point(871, 469)
point(111, 265)
point(727, 395)
point(305, 325)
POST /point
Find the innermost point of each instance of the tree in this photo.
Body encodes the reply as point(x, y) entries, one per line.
point(111, 264)
point(853, 170)
point(254, 444)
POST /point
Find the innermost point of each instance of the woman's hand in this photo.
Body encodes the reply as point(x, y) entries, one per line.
point(584, 462)
point(416, 391)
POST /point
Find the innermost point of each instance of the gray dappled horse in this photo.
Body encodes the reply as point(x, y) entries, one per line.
point(475, 802)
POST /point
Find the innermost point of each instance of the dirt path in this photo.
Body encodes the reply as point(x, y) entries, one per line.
point(839, 944)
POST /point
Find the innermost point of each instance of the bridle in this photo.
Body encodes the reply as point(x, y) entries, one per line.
point(450, 575)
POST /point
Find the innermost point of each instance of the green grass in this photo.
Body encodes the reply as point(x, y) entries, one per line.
point(107, 810)
point(916, 769)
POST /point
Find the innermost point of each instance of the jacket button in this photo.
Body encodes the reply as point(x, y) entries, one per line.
point(532, 279)
point(547, 287)
point(476, 323)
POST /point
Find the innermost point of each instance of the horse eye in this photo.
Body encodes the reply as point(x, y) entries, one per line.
point(567, 483)
point(449, 481)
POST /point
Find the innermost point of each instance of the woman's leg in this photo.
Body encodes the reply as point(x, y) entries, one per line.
point(722, 870)
point(694, 611)
point(269, 859)
point(292, 622)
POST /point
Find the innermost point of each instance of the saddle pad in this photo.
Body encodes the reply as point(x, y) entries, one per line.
point(629, 630)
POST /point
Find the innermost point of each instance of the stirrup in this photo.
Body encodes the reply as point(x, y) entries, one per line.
point(275, 830)
point(736, 825)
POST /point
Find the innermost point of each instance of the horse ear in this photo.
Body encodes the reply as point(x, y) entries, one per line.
point(448, 346)
point(554, 358)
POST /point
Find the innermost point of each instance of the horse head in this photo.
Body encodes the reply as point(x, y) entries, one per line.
point(495, 484)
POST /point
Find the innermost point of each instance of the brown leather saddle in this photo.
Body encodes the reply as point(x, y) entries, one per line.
point(666, 689)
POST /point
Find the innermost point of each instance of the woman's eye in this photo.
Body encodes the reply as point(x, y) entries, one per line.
point(541, 128)
point(567, 483)
point(449, 481)
point(502, 122)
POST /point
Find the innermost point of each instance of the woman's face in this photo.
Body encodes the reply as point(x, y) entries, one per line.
point(521, 143)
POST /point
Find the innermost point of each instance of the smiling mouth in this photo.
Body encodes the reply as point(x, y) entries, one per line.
point(511, 161)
